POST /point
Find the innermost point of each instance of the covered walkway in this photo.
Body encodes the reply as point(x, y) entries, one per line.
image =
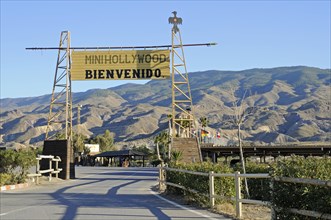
point(124, 158)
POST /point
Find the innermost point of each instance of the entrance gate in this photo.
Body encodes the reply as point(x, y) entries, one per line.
point(60, 113)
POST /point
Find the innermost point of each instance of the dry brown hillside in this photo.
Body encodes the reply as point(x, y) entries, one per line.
point(293, 104)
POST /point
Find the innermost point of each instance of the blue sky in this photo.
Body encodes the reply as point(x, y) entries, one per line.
point(250, 34)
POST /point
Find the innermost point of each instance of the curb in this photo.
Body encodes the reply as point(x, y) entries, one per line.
point(12, 187)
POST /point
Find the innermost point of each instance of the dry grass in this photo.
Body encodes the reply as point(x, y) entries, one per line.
point(250, 212)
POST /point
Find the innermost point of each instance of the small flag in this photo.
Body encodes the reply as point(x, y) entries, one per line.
point(204, 133)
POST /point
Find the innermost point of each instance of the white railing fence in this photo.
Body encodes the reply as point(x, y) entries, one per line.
point(238, 199)
point(50, 169)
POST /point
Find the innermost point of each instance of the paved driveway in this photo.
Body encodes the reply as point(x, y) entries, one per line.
point(98, 193)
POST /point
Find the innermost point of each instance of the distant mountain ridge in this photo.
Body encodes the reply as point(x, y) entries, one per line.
point(294, 103)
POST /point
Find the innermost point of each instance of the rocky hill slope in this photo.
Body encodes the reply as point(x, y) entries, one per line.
point(292, 104)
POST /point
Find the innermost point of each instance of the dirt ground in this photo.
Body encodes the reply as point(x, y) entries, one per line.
point(249, 211)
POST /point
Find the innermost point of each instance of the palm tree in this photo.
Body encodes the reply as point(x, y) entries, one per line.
point(156, 141)
point(186, 124)
point(176, 156)
point(163, 139)
point(204, 122)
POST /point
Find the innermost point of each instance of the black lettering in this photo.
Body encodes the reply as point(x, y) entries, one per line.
point(127, 73)
point(157, 73)
point(95, 74)
point(136, 73)
point(88, 74)
point(119, 73)
point(143, 73)
point(100, 74)
point(149, 73)
point(110, 74)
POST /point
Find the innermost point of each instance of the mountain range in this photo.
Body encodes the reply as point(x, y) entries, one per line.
point(292, 104)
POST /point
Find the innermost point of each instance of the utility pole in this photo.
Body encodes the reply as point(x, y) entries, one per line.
point(78, 116)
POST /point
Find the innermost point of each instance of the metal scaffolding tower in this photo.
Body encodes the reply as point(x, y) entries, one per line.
point(182, 108)
point(60, 111)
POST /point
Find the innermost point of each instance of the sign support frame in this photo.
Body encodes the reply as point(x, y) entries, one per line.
point(60, 111)
point(182, 106)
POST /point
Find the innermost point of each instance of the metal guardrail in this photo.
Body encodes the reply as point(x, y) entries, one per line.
point(238, 200)
point(51, 170)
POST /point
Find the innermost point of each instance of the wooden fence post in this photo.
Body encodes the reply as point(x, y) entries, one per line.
point(211, 189)
point(56, 168)
point(238, 194)
point(38, 169)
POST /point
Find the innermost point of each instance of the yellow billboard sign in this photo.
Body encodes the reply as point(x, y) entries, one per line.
point(120, 65)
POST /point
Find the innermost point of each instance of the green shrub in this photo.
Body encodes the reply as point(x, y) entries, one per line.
point(283, 196)
point(8, 161)
point(17, 163)
point(224, 186)
point(259, 188)
point(302, 196)
point(6, 179)
point(26, 158)
point(155, 163)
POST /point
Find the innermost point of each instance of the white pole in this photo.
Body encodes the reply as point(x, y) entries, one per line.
point(211, 189)
point(238, 195)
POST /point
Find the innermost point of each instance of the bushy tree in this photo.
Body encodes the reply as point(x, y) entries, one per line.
point(25, 159)
point(204, 122)
point(105, 141)
point(79, 142)
point(142, 149)
point(10, 160)
point(60, 136)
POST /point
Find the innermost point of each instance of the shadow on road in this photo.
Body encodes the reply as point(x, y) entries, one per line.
point(127, 205)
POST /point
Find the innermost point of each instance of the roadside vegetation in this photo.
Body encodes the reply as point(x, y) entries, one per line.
point(14, 165)
point(282, 195)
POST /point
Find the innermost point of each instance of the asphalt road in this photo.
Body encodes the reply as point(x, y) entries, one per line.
point(98, 193)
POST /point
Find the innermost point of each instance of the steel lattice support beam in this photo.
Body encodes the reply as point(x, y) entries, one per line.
point(60, 111)
point(182, 107)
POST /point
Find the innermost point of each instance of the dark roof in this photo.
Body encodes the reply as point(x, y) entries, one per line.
point(120, 153)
